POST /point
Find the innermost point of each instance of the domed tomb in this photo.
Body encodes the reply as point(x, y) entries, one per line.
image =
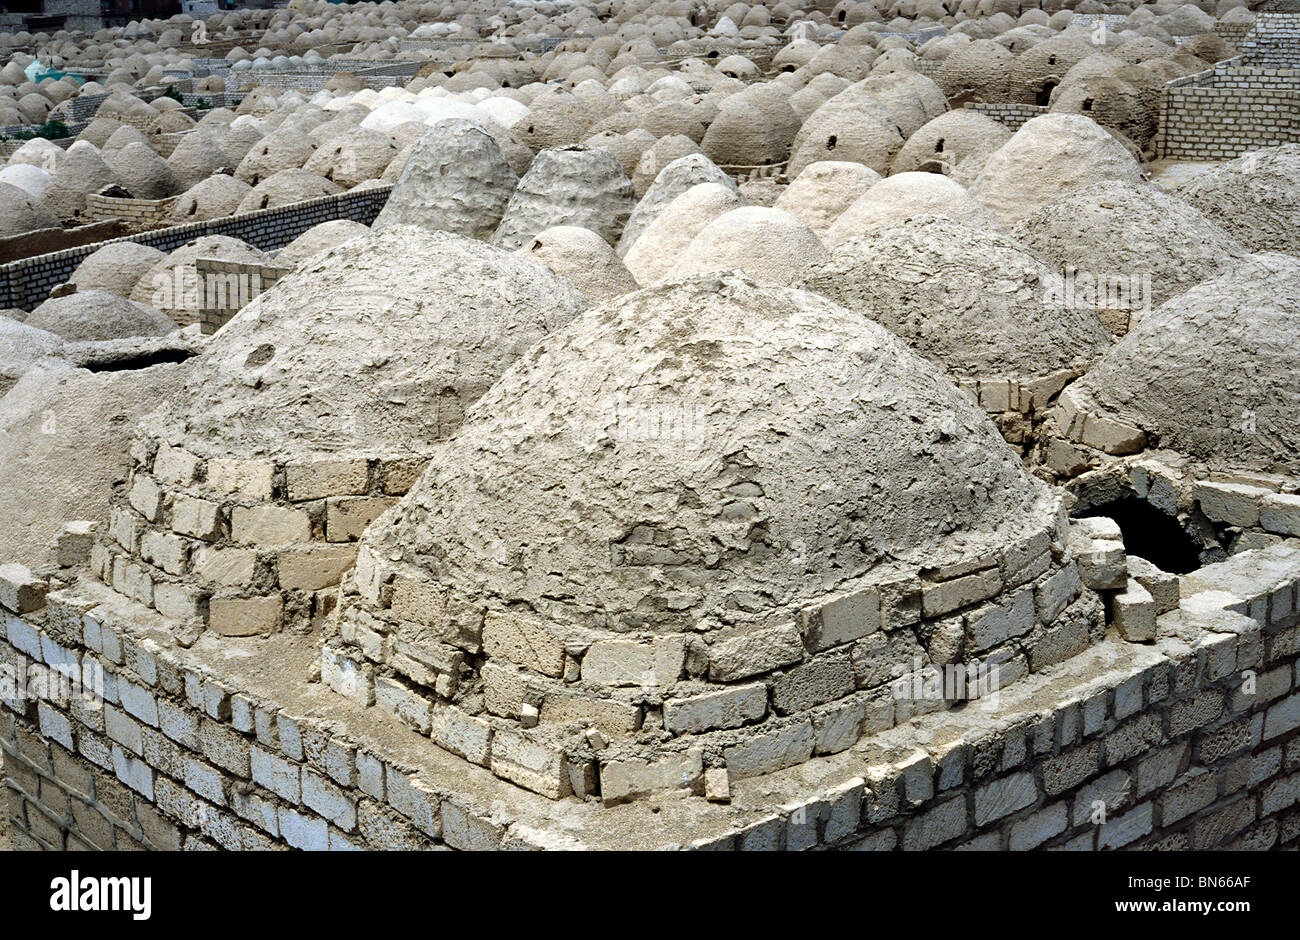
point(968, 298)
point(312, 409)
point(1209, 374)
point(665, 501)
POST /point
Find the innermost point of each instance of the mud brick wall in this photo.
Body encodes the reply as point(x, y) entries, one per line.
point(1228, 110)
point(139, 214)
point(27, 282)
point(1192, 742)
point(1232, 33)
point(372, 75)
point(83, 107)
point(216, 99)
point(1273, 41)
point(1011, 115)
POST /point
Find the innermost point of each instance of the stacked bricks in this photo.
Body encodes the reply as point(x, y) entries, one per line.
point(213, 99)
point(1079, 446)
point(747, 701)
point(1241, 104)
point(138, 214)
point(241, 546)
point(26, 283)
point(1010, 115)
point(1230, 511)
point(308, 80)
point(1191, 742)
point(226, 286)
point(165, 144)
point(1273, 41)
point(1234, 34)
point(1018, 406)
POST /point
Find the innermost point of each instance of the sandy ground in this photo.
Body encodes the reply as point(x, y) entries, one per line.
point(4, 834)
point(1168, 174)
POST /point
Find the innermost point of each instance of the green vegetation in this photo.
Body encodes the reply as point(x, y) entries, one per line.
point(50, 130)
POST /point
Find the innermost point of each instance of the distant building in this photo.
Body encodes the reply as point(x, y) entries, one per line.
point(89, 15)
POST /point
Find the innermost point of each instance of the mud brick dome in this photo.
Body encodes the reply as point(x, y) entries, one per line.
point(653, 424)
point(308, 415)
point(376, 346)
point(683, 493)
point(1149, 390)
point(969, 298)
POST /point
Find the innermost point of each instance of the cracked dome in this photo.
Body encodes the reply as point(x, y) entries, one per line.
point(702, 453)
point(1211, 373)
point(375, 346)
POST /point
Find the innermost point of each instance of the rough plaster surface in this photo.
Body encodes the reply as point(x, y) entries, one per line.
point(569, 186)
point(316, 239)
point(455, 180)
point(1256, 198)
point(216, 197)
point(821, 193)
point(706, 452)
point(64, 436)
point(584, 258)
point(20, 212)
point(21, 346)
point(1130, 229)
point(374, 346)
point(97, 314)
point(116, 267)
point(1212, 373)
point(1050, 156)
point(770, 245)
point(673, 180)
point(144, 174)
point(905, 195)
point(958, 141)
point(655, 252)
point(967, 298)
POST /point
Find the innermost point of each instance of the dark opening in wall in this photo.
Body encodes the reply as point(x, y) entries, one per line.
point(1044, 95)
point(1151, 534)
point(140, 361)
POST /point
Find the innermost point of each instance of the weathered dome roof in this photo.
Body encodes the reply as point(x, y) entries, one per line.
point(1133, 229)
point(968, 298)
point(1256, 198)
point(375, 346)
point(1211, 373)
point(704, 452)
point(98, 315)
point(1049, 156)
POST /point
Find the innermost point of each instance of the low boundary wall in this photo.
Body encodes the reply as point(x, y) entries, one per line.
point(26, 283)
point(1191, 742)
